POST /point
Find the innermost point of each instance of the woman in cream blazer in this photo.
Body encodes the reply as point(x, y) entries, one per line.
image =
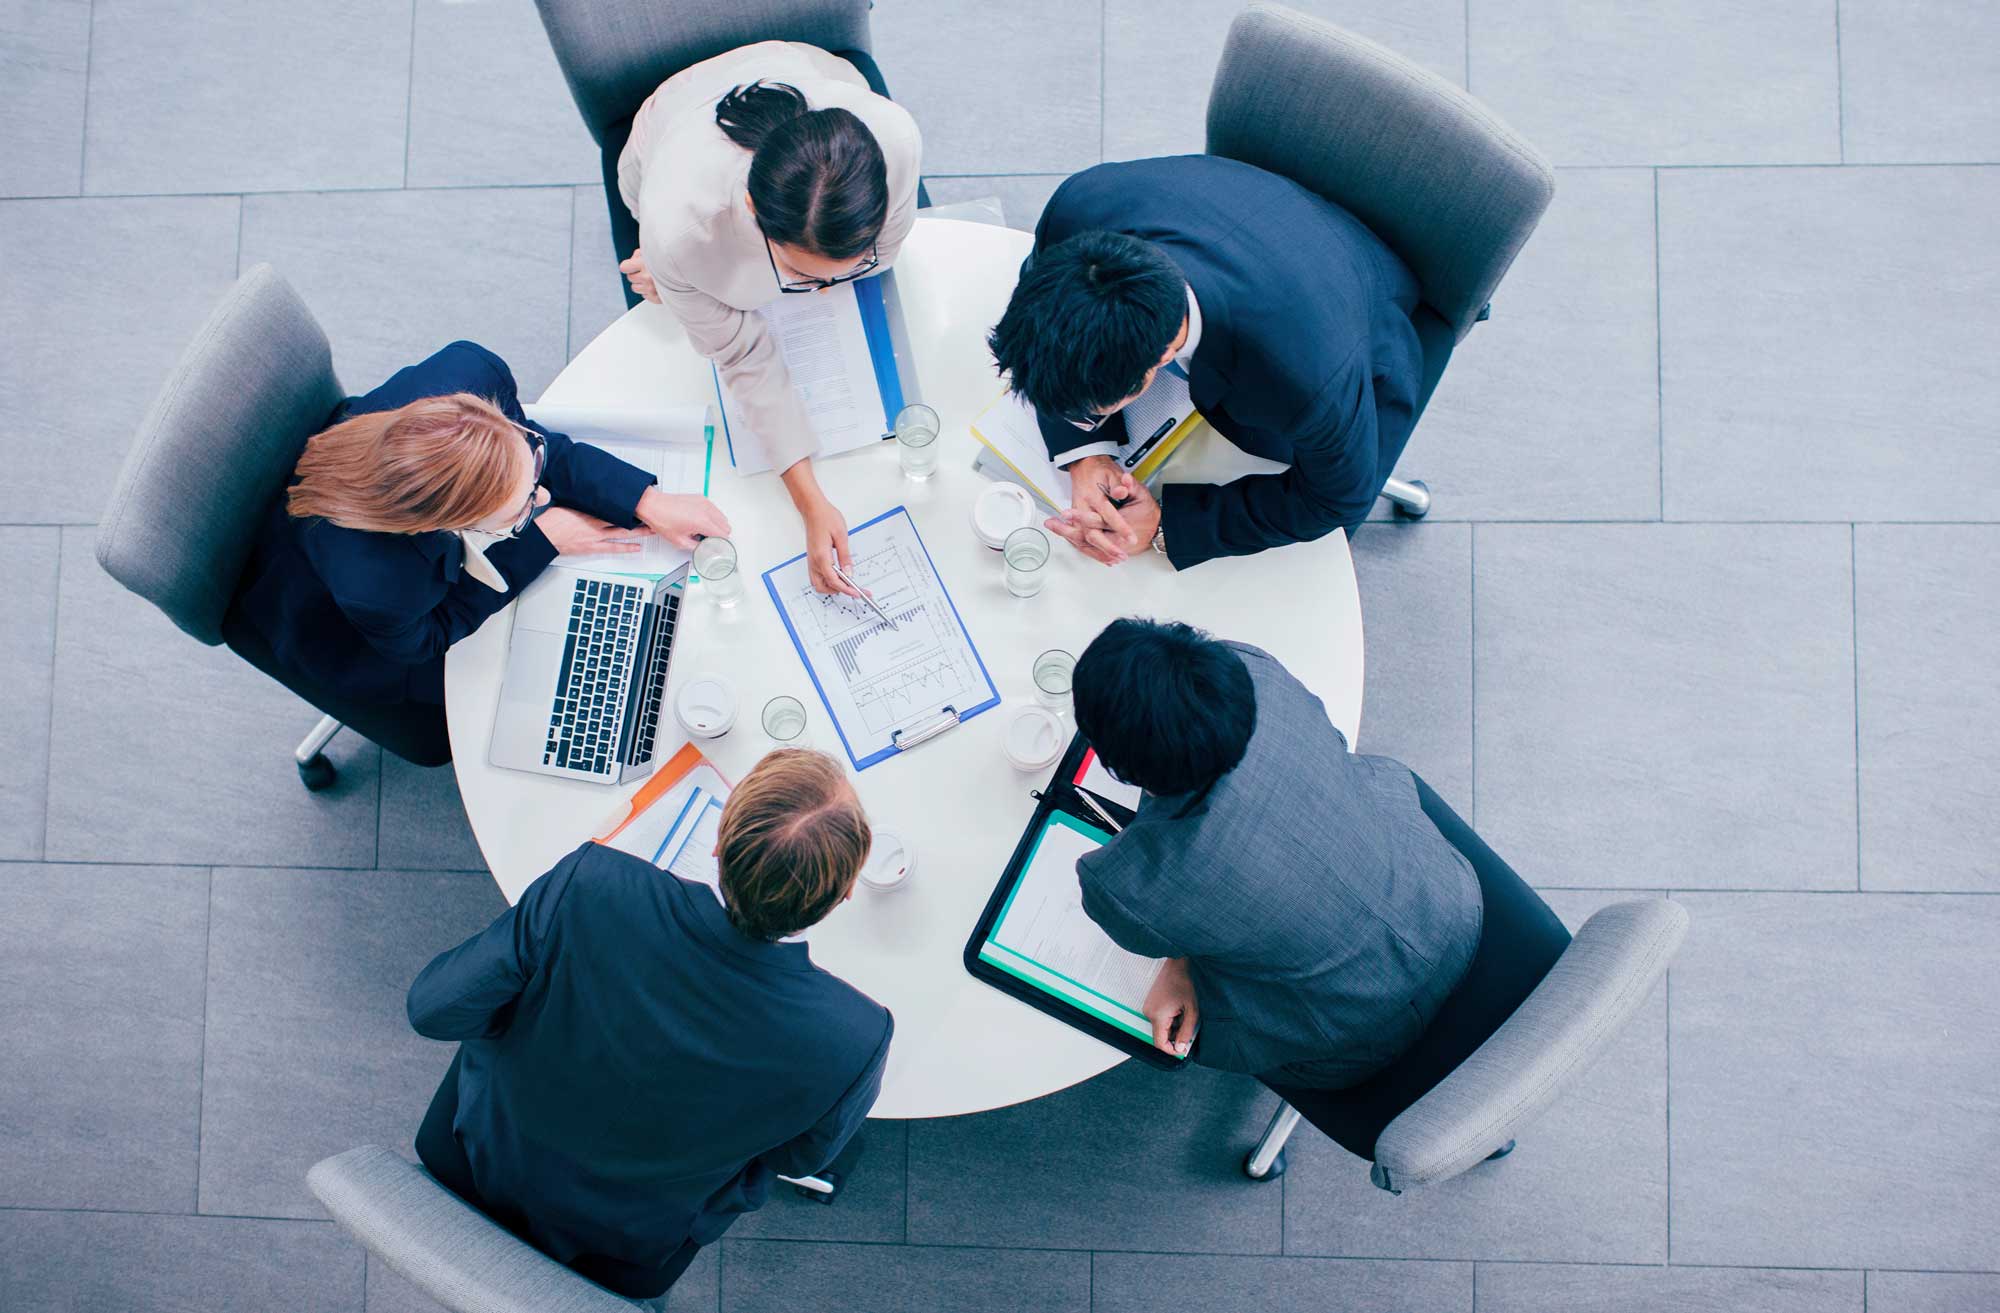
point(769, 169)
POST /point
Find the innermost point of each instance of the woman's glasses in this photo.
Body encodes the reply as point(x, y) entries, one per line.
point(540, 446)
point(861, 270)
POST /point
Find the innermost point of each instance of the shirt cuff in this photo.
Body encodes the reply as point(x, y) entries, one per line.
point(1075, 454)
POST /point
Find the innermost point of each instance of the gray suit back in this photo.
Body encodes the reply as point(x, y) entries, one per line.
point(1324, 917)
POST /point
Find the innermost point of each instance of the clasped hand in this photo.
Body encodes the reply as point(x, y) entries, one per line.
point(1111, 514)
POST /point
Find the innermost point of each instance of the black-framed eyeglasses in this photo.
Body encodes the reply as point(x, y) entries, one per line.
point(862, 270)
point(540, 446)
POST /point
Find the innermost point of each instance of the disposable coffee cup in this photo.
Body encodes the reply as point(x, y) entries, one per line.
point(1035, 738)
point(706, 706)
point(890, 863)
point(999, 510)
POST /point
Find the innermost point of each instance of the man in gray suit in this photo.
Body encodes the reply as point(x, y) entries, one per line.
point(1313, 918)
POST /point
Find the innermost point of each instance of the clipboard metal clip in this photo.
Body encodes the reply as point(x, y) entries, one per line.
point(923, 731)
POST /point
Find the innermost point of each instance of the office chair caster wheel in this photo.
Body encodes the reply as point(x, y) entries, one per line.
point(318, 774)
point(1276, 1169)
point(811, 1195)
point(1418, 511)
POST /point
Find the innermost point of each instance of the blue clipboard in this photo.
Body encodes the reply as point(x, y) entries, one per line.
point(881, 350)
point(960, 714)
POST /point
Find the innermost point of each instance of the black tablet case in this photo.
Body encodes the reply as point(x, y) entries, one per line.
point(1060, 795)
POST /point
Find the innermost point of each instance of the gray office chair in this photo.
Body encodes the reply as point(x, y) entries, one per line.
point(450, 1250)
point(213, 453)
point(444, 1246)
point(1551, 1039)
point(1448, 186)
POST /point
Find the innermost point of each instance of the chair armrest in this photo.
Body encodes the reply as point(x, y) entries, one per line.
point(448, 1249)
point(1608, 970)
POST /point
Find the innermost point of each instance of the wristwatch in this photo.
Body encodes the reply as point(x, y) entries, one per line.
point(1160, 540)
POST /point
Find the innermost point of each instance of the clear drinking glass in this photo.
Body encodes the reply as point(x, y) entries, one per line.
point(785, 721)
point(916, 431)
point(1027, 553)
point(721, 576)
point(1054, 671)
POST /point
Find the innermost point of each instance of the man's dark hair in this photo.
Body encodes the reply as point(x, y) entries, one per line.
point(817, 176)
point(1167, 707)
point(1088, 318)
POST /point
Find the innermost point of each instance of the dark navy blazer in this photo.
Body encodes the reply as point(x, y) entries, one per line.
point(371, 614)
point(634, 1069)
point(1307, 353)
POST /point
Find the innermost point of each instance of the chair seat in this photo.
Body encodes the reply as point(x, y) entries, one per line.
point(1520, 939)
point(414, 731)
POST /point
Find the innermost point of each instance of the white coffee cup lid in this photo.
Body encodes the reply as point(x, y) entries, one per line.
point(706, 706)
point(999, 510)
point(890, 863)
point(1034, 738)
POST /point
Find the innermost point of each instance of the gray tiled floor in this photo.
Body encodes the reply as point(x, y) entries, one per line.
point(1671, 627)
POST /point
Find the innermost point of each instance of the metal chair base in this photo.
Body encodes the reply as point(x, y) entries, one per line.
point(1266, 1162)
point(315, 771)
point(822, 1188)
point(1412, 500)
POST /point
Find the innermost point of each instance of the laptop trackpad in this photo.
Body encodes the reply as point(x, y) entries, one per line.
point(545, 603)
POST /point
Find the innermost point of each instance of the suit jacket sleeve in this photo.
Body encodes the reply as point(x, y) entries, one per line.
point(807, 1153)
point(384, 588)
point(1127, 931)
point(1331, 484)
point(469, 991)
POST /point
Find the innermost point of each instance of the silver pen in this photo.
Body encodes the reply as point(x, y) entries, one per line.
point(1099, 812)
point(873, 605)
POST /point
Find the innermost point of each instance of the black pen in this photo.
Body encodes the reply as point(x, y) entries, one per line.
point(1166, 427)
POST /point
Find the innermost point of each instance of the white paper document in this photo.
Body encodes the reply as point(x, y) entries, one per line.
point(877, 677)
point(1009, 428)
point(1105, 785)
point(1044, 936)
point(658, 442)
point(1011, 431)
point(694, 843)
point(826, 352)
point(656, 832)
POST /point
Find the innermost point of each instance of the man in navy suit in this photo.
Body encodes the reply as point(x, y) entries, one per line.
point(640, 1054)
point(1289, 319)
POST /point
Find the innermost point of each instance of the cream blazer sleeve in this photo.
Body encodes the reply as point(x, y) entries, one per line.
point(742, 347)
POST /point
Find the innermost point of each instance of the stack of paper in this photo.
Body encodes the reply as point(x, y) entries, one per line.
point(671, 443)
point(1156, 423)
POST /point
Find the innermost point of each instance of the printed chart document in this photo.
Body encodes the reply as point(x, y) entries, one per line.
point(832, 363)
point(693, 844)
point(878, 678)
point(649, 823)
point(1044, 936)
point(671, 443)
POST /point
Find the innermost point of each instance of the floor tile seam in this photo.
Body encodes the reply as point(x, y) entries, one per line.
point(410, 94)
point(201, 1058)
point(49, 726)
point(1659, 356)
point(1854, 652)
point(1839, 88)
point(83, 128)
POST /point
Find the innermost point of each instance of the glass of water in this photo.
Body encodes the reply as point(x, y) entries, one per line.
point(785, 721)
point(917, 441)
point(721, 574)
point(1027, 553)
point(1055, 671)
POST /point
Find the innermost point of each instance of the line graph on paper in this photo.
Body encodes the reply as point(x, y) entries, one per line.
point(876, 678)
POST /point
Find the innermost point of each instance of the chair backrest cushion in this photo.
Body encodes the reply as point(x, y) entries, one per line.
point(1430, 170)
point(219, 442)
point(615, 52)
point(1608, 970)
point(444, 1246)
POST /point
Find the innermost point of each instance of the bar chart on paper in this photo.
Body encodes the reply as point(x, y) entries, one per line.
point(878, 676)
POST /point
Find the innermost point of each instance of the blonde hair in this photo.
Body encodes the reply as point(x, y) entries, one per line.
point(792, 840)
point(438, 463)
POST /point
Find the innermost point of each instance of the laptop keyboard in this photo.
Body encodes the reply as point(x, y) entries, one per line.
point(590, 690)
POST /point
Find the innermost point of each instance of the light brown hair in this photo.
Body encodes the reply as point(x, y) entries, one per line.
point(792, 840)
point(438, 463)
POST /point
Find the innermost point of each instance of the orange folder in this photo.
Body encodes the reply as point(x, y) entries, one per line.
point(671, 772)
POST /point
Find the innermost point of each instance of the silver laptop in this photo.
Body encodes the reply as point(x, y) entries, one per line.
point(586, 674)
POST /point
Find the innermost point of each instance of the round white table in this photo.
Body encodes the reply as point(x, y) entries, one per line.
point(961, 1046)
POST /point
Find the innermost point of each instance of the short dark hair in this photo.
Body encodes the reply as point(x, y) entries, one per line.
point(1088, 318)
point(1167, 707)
point(817, 176)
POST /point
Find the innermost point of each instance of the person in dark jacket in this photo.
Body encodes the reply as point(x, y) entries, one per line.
point(640, 1054)
point(424, 507)
point(1289, 319)
point(1313, 917)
